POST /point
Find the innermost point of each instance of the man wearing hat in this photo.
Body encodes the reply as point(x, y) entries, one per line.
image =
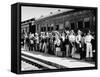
point(62, 38)
point(36, 41)
point(67, 43)
point(57, 46)
point(72, 43)
point(79, 45)
point(88, 38)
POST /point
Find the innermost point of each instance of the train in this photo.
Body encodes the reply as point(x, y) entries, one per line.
point(74, 19)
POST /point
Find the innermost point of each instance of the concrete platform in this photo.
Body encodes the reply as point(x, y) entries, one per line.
point(63, 62)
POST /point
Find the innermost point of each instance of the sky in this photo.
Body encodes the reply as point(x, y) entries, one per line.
point(28, 12)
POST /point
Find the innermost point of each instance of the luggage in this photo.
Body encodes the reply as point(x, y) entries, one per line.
point(58, 51)
point(73, 51)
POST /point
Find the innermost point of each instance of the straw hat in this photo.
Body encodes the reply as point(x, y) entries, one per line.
point(79, 31)
point(67, 32)
point(36, 34)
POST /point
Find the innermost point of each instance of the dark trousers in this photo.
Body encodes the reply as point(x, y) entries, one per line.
point(67, 52)
point(70, 46)
point(63, 50)
point(31, 47)
point(81, 53)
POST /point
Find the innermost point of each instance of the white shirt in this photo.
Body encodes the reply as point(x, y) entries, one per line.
point(57, 41)
point(78, 38)
point(37, 39)
point(72, 38)
point(63, 38)
point(88, 38)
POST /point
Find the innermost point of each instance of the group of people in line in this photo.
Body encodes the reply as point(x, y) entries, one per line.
point(65, 44)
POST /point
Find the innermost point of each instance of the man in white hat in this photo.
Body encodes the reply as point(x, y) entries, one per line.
point(88, 38)
point(79, 45)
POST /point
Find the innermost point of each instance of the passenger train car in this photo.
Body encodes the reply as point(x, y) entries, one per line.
point(74, 19)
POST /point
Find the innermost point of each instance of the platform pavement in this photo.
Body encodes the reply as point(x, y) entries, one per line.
point(64, 62)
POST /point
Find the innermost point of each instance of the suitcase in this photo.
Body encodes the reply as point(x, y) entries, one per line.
point(73, 51)
point(58, 51)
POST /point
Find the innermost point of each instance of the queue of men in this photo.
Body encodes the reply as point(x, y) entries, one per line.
point(65, 44)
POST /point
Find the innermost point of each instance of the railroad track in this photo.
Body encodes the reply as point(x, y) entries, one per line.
point(40, 63)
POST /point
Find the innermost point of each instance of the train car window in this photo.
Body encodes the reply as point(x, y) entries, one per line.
point(87, 24)
point(37, 27)
point(94, 20)
point(44, 28)
point(51, 28)
point(67, 28)
point(48, 28)
point(33, 28)
point(32, 23)
point(27, 29)
point(57, 27)
point(61, 26)
point(94, 28)
point(73, 25)
point(80, 24)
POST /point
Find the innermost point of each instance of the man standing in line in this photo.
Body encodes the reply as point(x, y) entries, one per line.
point(67, 43)
point(63, 44)
point(88, 38)
point(79, 45)
point(57, 46)
point(72, 38)
point(37, 41)
point(31, 36)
